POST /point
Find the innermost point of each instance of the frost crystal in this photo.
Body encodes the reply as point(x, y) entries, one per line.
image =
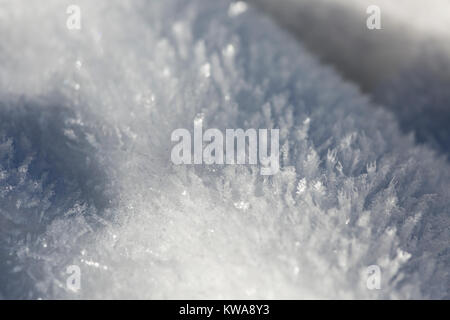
point(86, 178)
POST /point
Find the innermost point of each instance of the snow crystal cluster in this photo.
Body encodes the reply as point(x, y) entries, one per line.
point(86, 177)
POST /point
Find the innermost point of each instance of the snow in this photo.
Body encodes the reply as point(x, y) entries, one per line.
point(405, 65)
point(86, 177)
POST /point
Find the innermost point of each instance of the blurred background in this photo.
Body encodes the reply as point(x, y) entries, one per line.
point(404, 66)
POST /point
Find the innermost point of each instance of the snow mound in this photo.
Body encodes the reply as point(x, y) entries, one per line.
point(86, 177)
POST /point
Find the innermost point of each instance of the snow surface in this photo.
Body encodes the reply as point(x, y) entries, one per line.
point(86, 177)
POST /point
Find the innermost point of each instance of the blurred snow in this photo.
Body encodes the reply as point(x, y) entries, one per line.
point(405, 66)
point(86, 177)
point(335, 30)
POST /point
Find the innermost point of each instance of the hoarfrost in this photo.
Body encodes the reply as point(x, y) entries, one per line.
point(85, 175)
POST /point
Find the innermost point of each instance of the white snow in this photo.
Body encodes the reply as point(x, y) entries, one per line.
point(86, 177)
point(405, 65)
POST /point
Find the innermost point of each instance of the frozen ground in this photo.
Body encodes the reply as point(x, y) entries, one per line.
point(86, 177)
